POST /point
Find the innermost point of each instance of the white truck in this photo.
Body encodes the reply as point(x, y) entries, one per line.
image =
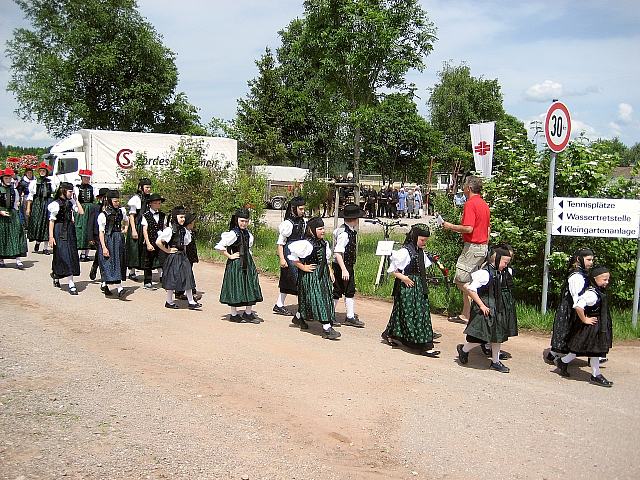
point(109, 153)
point(281, 183)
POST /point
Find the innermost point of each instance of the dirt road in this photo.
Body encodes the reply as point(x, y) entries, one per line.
point(99, 388)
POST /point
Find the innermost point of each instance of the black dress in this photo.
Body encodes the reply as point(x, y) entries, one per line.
point(65, 251)
point(177, 273)
point(565, 315)
point(592, 340)
point(114, 266)
point(288, 282)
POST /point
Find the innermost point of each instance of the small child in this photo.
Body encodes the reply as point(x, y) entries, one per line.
point(311, 257)
point(344, 261)
point(176, 272)
point(240, 285)
point(112, 222)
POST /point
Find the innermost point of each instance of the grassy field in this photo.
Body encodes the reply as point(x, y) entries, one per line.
point(442, 299)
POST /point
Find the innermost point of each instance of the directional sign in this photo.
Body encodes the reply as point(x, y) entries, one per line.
point(596, 217)
point(557, 127)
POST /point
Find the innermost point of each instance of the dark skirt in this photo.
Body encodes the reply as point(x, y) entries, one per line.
point(65, 252)
point(240, 287)
point(134, 249)
point(497, 327)
point(565, 317)
point(410, 321)
point(177, 273)
point(288, 282)
point(590, 340)
point(114, 268)
point(38, 229)
point(83, 227)
point(13, 243)
point(315, 295)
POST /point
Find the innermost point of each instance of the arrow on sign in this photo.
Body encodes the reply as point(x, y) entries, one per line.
point(560, 229)
point(561, 202)
point(560, 216)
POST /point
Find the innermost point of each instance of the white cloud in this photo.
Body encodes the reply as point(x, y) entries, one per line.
point(544, 92)
point(17, 133)
point(625, 113)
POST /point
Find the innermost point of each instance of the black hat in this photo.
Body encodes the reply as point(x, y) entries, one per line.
point(351, 210)
point(103, 191)
point(66, 186)
point(144, 181)
point(312, 225)
point(189, 218)
point(418, 230)
point(297, 202)
point(598, 270)
point(155, 196)
point(242, 213)
point(113, 194)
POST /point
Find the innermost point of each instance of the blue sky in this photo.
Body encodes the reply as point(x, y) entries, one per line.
point(585, 53)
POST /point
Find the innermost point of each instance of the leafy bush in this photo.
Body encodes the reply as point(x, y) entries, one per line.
point(212, 194)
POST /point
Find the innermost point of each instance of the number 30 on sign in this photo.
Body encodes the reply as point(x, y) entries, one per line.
point(557, 127)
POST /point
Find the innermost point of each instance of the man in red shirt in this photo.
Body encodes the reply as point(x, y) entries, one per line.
point(475, 235)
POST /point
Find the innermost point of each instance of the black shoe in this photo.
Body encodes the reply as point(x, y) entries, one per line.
point(180, 296)
point(600, 381)
point(300, 322)
point(170, 305)
point(331, 334)
point(194, 306)
point(47, 252)
point(485, 349)
point(550, 358)
point(93, 272)
point(132, 276)
point(150, 286)
point(87, 258)
point(250, 318)
point(462, 355)
point(56, 283)
point(122, 293)
point(83, 257)
point(602, 360)
point(499, 367)
point(73, 290)
point(281, 311)
point(354, 322)
point(36, 248)
point(431, 353)
point(235, 318)
point(563, 368)
point(20, 266)
point(436, 335)
point(106, 291)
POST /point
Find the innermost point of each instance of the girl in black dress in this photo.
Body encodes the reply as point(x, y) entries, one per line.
point(112, 222)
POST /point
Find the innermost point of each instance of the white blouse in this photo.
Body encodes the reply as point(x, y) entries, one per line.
point(135, 204)
point(33, 185)
point(341, 238)
point(285, 230)
point(587, 299)
point(302, 249)
point(576, 284)
point(229, 238)
point(401, 258)
point(54, 208)
point(102, 219)
point(166, 234)
point(480, 278)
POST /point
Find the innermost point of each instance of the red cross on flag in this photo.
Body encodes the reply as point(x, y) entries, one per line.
point(482, 144)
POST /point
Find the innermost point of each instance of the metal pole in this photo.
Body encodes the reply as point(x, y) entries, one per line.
point(636, 290)
point(547, 245)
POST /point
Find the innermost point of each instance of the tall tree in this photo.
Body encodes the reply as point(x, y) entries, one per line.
point(460, 99)
point(359, 47)
point(95, 64)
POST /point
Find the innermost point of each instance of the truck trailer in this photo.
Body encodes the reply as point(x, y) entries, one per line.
point(109, 153)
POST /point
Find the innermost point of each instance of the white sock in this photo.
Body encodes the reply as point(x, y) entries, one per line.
point(350, 303)
point(467, 347)
point(569, 357)
point(248, 309)
point(160, 272)
point(170, 296)
point(555, 354)
point(70, 279)
point(18, 261)
point(132, 271)
point(86, 252)
point(234, 311)
point(1, 261)
point(119, 285)
point(326, 326)
point(595, 365)
point(281, 298)
point(298, 315)
point(189, 295)
point(335, 303)
point(495, 352)
point(103, 284)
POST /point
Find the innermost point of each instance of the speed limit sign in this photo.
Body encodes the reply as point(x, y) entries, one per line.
point(557, 127)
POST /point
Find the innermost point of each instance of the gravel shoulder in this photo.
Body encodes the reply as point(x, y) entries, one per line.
point(98, 388)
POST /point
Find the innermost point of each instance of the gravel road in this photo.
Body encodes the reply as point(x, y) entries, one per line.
point(99, 388)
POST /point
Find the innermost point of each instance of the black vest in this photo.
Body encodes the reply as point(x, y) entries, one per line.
point(241, 246)
point(595, 309)
point(491, 293)
point(144, 208)
point(318, 255)
point(177, 237)
point(7, 197)
point(298, 229)
point(85, 193)
point(65, 214)
point(153, 227)
point(349, 255)
point(43, 188)
point(114, 220)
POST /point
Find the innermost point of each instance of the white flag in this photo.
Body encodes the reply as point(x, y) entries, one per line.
point(482, 145)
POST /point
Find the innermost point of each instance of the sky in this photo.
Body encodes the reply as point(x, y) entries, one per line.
point(584, 52)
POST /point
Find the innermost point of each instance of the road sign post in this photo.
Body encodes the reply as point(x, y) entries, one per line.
point(557, 130)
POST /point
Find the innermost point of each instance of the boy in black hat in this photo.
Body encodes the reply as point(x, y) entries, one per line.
point(345, 238)
point(153, 221)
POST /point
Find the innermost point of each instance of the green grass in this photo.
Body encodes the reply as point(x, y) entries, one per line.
point(441, 299)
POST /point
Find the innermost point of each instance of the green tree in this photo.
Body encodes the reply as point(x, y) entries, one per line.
point(95, 64)
point(359, 47)
point(631, 156)
point(459, 99)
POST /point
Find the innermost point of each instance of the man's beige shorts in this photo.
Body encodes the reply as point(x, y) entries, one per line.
point(471, 259)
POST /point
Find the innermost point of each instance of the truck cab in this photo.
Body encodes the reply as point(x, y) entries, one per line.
point(66, 158)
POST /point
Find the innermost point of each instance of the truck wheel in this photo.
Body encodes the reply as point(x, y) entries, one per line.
point(277, 203)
